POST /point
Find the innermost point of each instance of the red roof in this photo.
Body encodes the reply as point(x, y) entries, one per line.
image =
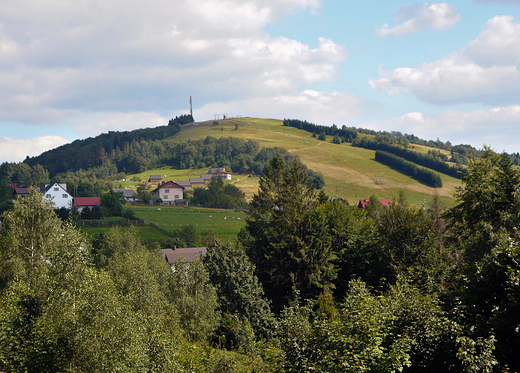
point(364, 202)
point(170, 184)
point(87, 201)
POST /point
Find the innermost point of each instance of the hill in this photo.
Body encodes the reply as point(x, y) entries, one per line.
point(349, 172)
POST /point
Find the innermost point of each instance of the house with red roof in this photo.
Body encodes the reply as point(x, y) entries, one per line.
point(83, 202)
point(364, 202)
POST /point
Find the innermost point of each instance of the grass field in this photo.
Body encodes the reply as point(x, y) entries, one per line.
point(352, 180)
point(225, 223)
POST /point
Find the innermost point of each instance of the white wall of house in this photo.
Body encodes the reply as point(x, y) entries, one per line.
point(59, 196)
point(169, 192)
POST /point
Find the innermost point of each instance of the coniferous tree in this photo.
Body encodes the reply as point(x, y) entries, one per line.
point(285, 235)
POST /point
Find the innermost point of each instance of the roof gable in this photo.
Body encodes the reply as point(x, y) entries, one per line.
point(87, 201)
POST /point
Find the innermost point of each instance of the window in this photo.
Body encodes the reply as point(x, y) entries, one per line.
point(64, 196)
point(176, 196)
point(47, 196)
point(165, 197)
point(167, 191)
point(56, 189)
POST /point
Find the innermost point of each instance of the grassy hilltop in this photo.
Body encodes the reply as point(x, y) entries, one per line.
point(352, 179)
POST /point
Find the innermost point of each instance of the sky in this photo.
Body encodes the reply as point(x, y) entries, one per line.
point(72, 69)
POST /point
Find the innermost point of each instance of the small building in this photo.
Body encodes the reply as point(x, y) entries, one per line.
point(184, 183)
point(155, 179)
point(364, 202)
point(58, 194)
point(218, 172)
point(129, 194)
point(22, 192)
point(170, 193)
point(12, 185)
point(197, 182)
point(188, 253)
point(83, 202)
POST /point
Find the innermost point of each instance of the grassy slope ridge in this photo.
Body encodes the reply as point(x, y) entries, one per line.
point(352, 180)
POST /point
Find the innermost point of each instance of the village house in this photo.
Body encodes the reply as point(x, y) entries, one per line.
point(155, 179)
point(22, 192)
point(170, 193)
point(217, 172)
point(364, 202)
point(129, 194)
point(188, 253)
point(197, 182)
point(81, 203)
point(58, 194)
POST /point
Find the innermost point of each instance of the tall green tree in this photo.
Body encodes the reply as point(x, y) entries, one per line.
point(238, 289)
point(483, 231)
point(285, 235)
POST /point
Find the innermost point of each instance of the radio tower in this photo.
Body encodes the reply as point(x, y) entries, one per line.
point(191, 108)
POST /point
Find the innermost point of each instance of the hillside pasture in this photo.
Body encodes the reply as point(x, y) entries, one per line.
point(225, 223)
point(353, 179)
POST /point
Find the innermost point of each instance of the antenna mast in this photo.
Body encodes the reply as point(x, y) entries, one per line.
point(191, 108)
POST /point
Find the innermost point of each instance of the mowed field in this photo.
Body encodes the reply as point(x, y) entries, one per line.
point(351, 179)
point(225, 223)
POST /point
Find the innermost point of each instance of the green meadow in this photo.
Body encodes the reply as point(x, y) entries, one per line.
point(349, 172)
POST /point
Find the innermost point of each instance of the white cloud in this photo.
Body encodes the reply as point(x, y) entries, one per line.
point(12, 150)
point(84, 59)
point(485, 71)
point(318, 107)
point(498, 43)
point(89, 125)
point(412, 18)
point(498, 125)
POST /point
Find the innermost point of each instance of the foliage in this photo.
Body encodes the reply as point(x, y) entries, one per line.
point(239, 292)
point(219, 195)
point(345, 133)
point(103, 150)
point(180, 120)
point(23, 174)
point(112, 203)
point(195, 299)
point(420, 174)
point(285, 235)
point(483, 227)
point(432, 160)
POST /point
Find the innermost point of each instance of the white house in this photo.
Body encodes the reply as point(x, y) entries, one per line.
point(58, 194)
point(170, 192)
point(218, 172)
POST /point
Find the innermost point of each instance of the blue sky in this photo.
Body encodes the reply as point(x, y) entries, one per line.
point(75, 69)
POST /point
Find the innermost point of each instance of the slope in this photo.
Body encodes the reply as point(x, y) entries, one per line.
point(349, 172)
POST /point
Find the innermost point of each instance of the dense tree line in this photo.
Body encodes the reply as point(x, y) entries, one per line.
point(180, 120)
point(311, 285)
point(408, 168)
point(347, 134)
point(218, 195)
point(430, 160)
point(23, 174)
point(111, 146)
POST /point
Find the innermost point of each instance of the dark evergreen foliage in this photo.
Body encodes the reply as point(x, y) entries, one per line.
point(183, 119)
point(219, 195)
point(344, 133)
point(408, 168)
point(435, 162)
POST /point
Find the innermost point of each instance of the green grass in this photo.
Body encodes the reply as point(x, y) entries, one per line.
point(225, 223)
point(352, 180)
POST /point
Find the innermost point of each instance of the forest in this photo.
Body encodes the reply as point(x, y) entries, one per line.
point(310, 285)
point(433, 160)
